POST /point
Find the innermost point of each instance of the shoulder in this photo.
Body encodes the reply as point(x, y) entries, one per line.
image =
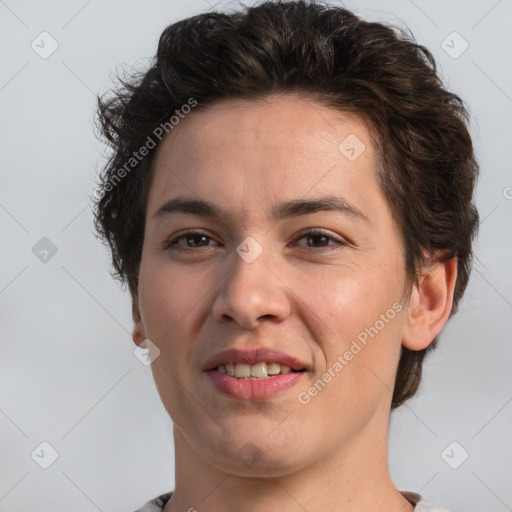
point(420, 505)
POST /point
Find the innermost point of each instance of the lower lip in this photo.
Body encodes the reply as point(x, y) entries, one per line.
point(253, 389)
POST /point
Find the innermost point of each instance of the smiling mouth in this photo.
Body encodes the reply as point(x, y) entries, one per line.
point(255, 371)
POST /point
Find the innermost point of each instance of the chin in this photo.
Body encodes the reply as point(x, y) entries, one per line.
point(250, 461)
point(252, 453)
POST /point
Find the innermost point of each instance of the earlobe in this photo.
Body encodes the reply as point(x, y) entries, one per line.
point(430, 305)
point(138, 332)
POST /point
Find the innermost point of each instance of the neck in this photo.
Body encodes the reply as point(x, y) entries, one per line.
point(348, 480)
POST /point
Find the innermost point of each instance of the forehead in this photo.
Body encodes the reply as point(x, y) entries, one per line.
point(260, 152)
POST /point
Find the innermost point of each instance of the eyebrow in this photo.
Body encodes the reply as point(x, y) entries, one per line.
point(293, 208)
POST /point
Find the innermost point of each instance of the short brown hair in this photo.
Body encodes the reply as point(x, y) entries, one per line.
point(427, 167)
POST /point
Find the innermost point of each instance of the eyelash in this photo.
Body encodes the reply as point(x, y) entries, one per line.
point(168, 244)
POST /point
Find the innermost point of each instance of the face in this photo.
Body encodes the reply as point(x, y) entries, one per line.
point(265, 268)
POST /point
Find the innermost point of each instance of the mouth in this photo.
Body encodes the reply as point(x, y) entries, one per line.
point(253, 388)
point(259, 363)
point(255, 371)
point(255, 374)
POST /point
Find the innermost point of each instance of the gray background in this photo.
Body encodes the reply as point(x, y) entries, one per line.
point(68, 373)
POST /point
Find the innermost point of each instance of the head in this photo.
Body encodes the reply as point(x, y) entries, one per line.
point(288, 102)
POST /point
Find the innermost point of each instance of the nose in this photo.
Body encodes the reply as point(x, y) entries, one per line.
point(250, 293)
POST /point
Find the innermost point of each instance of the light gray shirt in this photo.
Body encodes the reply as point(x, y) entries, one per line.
point(420, 505)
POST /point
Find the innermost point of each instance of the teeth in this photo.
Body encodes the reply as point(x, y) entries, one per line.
point(254, 371)
point(273, 368)
point(242, 370)
point(258, 370)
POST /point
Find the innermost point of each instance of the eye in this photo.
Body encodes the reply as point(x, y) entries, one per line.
point(192, 240)
point(320, 238)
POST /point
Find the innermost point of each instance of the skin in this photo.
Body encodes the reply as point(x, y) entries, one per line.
point(307, 296)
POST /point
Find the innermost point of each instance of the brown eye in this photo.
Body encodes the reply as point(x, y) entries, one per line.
point(318, 239)
point(189, 241)
point(195, 240)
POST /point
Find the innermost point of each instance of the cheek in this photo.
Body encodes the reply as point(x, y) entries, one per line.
point(168, 296)
point(361, 323)
point(360, 369)
point(170, 300)
point(350, 298)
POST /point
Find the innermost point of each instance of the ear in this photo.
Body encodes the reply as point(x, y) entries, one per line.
point(430, 305)
point(138, 332)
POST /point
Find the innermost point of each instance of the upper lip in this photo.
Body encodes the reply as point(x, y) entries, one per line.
point(253, 356)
